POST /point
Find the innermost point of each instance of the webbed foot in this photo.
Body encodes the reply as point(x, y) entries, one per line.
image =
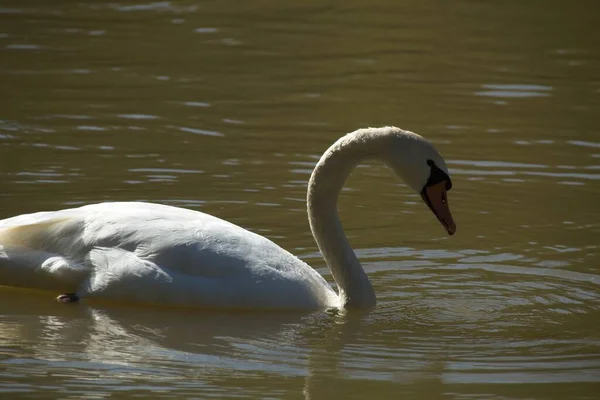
point(68, 298)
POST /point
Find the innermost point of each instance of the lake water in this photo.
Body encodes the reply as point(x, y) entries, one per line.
point(225, 106)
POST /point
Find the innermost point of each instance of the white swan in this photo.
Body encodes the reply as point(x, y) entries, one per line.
point(155, 253)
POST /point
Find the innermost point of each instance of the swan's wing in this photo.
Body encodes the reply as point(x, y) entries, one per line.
point(185, 241)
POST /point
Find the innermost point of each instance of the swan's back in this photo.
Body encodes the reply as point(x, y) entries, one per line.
point(155, 253)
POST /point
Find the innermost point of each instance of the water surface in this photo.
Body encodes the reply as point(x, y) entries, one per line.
point(225, 107)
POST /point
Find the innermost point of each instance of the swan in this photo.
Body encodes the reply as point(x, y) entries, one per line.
point(159, 254)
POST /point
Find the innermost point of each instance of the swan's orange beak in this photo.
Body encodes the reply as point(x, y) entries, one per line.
point(435, 197)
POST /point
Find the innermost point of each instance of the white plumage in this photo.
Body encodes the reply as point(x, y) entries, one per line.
point(155, 254)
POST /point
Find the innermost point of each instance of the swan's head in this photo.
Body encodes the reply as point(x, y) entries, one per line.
point(423, 169)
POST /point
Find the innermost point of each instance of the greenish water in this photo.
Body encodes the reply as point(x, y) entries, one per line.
point(224, 107)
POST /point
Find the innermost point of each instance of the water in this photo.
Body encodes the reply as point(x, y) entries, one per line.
point(225, 106)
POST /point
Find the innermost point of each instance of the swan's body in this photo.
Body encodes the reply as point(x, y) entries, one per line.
point(154, 253)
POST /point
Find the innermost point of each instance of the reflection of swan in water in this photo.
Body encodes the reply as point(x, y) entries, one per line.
point(132, 349)
point(183, 349)
point(141, 337)
point(160, 254)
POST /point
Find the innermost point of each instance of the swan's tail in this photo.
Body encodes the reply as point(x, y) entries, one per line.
point(33, 250)
point(22, 266)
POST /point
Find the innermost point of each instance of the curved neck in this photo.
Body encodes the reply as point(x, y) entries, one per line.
point(325, 184)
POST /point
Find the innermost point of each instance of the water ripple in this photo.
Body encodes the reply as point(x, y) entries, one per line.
point(514, 91)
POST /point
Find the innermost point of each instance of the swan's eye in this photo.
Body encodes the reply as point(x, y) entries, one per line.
point(436, 175)
point(444, 198)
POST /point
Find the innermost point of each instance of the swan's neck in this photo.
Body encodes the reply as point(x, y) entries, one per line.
point(324, 187)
